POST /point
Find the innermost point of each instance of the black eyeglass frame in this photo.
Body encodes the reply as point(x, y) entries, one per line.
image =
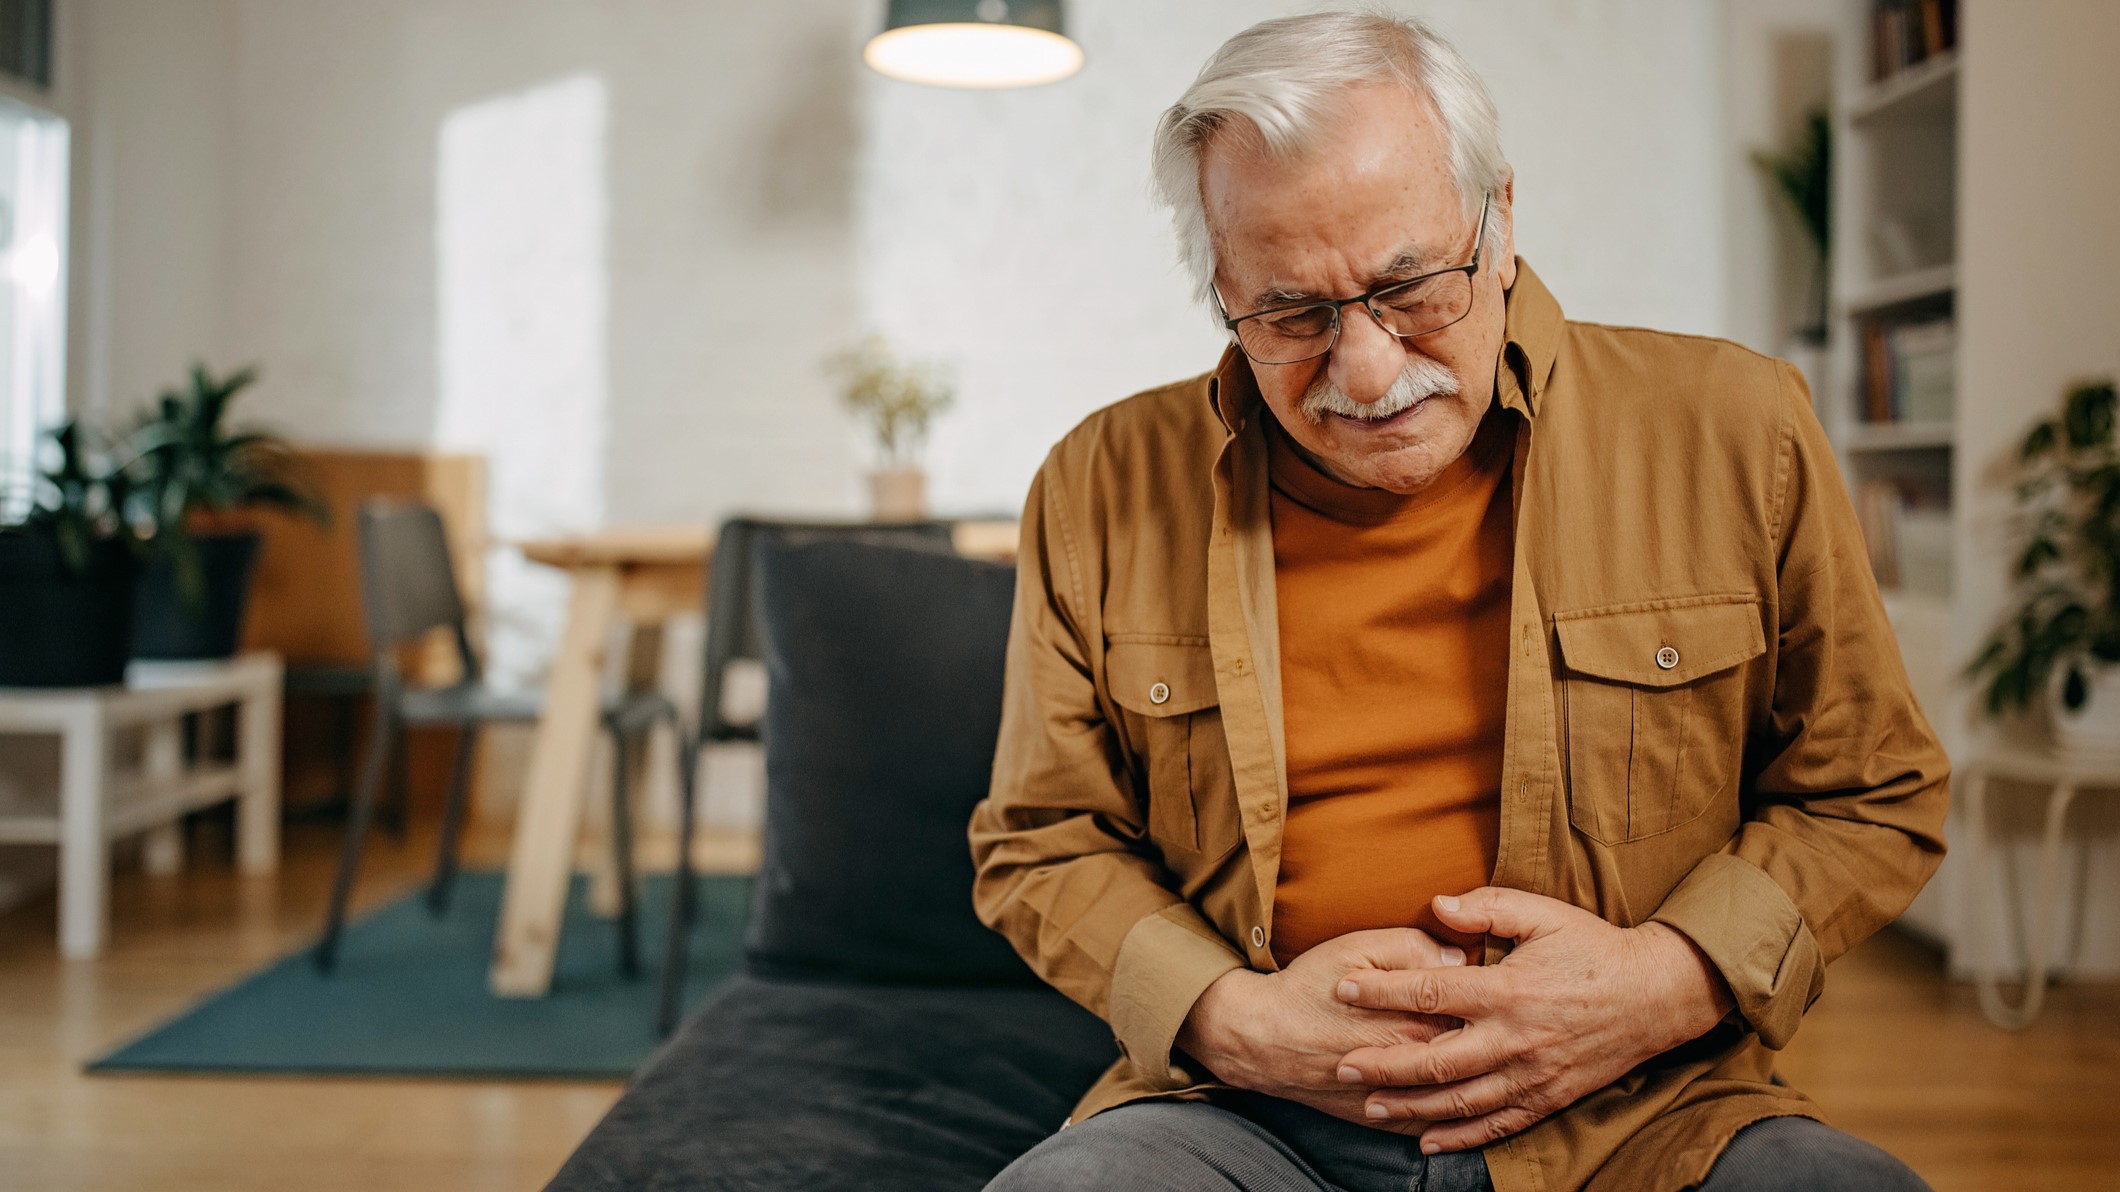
point(1471, 270)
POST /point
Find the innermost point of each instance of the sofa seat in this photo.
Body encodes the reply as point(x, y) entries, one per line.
point(784, 1084)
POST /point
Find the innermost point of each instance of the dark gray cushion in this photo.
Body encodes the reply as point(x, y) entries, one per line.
point(793, 1086)
point(883, 669)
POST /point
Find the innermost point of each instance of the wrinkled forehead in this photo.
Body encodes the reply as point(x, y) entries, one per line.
point(1372, 187)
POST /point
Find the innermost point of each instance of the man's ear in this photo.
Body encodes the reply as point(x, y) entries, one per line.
point(1505, 244)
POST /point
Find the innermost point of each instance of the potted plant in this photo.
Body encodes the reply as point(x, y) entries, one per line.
point(196, 479)
point(1802, 175)
point(68, 565)
point(900, 399)
point(2061, 638)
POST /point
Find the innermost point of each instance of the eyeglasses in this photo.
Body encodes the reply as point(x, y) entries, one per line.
point(1407, 309)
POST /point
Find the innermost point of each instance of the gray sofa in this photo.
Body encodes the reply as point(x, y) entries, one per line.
point(879, 1037)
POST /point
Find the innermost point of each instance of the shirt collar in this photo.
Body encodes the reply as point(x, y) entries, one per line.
point(1531, 339)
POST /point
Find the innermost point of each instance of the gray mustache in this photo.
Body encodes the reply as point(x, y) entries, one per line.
point(1419, 380)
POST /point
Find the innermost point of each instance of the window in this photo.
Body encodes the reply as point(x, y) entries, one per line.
point(33, 153)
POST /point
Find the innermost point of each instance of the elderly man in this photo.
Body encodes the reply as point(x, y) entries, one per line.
point(1446, 742)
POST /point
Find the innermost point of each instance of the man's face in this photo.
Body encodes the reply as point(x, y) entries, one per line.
point(1372, 201)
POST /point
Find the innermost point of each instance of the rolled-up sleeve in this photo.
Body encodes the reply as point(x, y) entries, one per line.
point(1847, 786)
point(1062, 871)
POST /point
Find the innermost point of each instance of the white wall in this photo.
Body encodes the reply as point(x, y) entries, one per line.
point(728, 191)
point(144, 84)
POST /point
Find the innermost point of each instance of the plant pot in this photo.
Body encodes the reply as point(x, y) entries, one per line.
point(166, 626)
point(2090, 733)
point(900, 494)
point(59, 629)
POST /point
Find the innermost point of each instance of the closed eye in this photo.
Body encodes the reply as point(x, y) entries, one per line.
point(1304, 320)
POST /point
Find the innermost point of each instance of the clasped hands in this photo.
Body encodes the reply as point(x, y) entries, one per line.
point(1394, 1030)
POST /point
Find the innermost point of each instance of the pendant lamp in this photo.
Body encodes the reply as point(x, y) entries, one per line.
point(974, 43)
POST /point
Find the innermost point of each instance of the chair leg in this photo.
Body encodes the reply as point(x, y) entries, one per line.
point(622, 853)
point(380, 749)
point(345, 735)
point(399, 814)
point(445, 861)
point(676, 945)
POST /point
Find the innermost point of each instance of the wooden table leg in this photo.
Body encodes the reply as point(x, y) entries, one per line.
point(549, 819)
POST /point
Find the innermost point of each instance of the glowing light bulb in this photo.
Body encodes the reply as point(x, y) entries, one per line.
point(973, 55)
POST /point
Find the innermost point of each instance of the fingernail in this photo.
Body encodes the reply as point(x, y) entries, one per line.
point(1431, 1148)
point(1453, 956)
point(1351, 1075)
point(1349, 991)
point(1446, 902)
point(1377, 1111)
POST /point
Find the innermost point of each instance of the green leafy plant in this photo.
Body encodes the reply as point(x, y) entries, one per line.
point(78, 497)
point(2066, 617)
point(900, 399)
point(1803, 176)
point(188, 466)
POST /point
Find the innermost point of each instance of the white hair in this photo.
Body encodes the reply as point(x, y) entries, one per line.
point(1286, 75)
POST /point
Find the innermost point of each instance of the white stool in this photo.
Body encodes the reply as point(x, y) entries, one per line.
point(97, 805)
point(2065, 778)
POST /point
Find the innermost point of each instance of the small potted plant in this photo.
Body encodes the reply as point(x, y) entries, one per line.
point(2061, 638)
point(1802, 176)
point(68, 565)
point(197, 480)
point(900, 399)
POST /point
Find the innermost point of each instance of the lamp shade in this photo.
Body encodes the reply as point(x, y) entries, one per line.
point(974, 43)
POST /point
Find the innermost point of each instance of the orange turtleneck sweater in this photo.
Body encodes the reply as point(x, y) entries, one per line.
point(1394, 619)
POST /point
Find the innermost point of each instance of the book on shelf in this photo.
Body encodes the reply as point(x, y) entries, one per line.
point(1908, 536)
point(1910, 370)
point(1904, 33)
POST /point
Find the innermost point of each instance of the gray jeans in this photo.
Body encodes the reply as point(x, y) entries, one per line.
point(1250, 1143)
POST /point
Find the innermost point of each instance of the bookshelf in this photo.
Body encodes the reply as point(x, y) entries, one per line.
point(1904, 289)
point(1890, 400)
point(1891, 397)
point(1921, 91)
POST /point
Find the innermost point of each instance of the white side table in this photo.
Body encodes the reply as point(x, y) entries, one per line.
point(97, 803)
point(2065, 778)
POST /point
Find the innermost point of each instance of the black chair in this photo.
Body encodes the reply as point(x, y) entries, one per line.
point(408, 590)
point(734, 633)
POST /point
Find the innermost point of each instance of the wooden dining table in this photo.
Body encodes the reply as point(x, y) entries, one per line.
point(632, 580)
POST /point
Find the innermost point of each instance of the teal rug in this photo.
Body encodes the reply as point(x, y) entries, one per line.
point(409, 997)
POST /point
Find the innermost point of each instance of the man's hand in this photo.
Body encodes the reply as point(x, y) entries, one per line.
point(1574, 1007)
point(1285, 1033)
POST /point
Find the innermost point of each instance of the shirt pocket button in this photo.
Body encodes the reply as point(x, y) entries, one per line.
point(1667, 658)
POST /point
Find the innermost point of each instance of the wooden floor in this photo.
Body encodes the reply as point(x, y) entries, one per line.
point(1893, 1052)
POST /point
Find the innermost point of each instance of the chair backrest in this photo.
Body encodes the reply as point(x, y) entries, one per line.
point(408, 579)
point(733, 614)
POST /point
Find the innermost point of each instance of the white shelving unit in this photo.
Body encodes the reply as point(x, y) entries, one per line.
point(1896, 255)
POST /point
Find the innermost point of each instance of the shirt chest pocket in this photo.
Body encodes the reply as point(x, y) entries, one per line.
point(1654, 707)
point(1174, 725)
